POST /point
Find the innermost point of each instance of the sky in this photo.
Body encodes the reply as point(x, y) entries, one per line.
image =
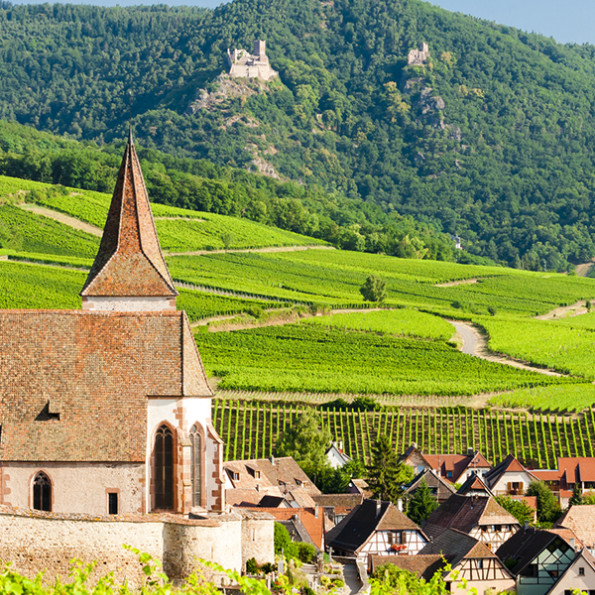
point(565, 20)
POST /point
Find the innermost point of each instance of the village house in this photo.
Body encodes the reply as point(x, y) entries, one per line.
point(509, 478)
point(454, 468)
point(278, 479)
point(440, 489)
point(538, 558)
point(472, 564)
point(375, 527)
point(581, 521)
point(335, 456)
point(337, 506)
point(571, 471)
point(479, 516)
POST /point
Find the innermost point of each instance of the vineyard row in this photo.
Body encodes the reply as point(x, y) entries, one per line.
point(251, 429)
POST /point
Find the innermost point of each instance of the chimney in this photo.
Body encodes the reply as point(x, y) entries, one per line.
point(378, 507)
point(272, 459)
point(400, 505)
point(470, 451)
point(340, 446)
point(316, 512)
point(572, 543)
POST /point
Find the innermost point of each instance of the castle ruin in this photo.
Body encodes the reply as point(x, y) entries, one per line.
point(419, 57)
point(245, 65)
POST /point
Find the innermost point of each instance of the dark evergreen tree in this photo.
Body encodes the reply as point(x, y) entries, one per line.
point(386, 475)
point(577, 495)
point(422, 503)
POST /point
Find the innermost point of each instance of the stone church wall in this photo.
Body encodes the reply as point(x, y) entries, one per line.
point(77, 488)
point(36, 542)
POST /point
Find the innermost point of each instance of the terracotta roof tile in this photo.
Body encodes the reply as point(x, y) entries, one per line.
point(129, 261)
point(581, 520)
point(93, 370)
point(577, 468)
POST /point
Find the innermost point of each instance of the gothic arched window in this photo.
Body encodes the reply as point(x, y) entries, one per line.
point(42, 492)
point(163, 471)
point(196, 441)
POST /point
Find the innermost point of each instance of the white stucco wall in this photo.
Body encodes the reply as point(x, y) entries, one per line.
point(129, 304)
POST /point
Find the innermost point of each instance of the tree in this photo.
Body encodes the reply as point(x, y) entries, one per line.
point(386, 475)
point(577, 495)
point(307, 443)
point(519, 509)
point(548, 509)
point(422, 503)
point(373, 289)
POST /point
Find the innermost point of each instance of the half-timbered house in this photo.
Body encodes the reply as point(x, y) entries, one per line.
point(375, 527)
point(479, 516)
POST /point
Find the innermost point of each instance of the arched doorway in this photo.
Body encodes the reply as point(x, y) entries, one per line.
point(42, 492)
point(163, 469)
point(196, 441)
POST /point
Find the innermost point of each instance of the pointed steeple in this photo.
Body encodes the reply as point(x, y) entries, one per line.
point(129, 263)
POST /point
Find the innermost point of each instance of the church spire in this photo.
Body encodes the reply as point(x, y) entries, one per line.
point(129, 268)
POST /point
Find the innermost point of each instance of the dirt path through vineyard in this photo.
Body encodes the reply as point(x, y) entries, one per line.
point(475, 343)
point(62, 218)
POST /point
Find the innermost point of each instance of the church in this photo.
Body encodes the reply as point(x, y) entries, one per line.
point(107, 410)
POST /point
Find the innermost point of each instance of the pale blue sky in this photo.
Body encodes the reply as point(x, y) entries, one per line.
point(564, 20)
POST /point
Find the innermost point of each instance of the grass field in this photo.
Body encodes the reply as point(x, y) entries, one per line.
point(251, 430)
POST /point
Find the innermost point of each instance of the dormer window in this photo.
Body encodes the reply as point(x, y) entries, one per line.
point(257, 474)
point(235, 475)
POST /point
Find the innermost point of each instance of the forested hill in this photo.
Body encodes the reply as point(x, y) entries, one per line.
point(491, 137)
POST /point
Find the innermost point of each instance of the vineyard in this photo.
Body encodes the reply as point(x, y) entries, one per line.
point(25, 231)
point(34, 286)
point(333, 278)
point(251, 430)
point(569, 348)
point(288, 358)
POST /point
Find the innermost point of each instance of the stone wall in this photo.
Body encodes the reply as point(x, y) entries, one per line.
point(36, 542)
point(78, 488)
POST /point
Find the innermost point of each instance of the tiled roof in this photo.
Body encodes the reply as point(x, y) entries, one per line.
point(370, 516)
point(453, 466)
point(129, 262)
point(509, 464)
point(455, 546)
point(442, 489)
point(339, 502)
point(466, 512)
point(474, 483)
point(93, 370)
point(581, 520)
point(577, 468)
point(278, 472)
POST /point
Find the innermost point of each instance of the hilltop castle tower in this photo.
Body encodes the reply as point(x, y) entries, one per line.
point(256, 65)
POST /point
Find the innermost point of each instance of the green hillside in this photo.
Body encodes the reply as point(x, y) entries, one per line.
point(488, 138)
